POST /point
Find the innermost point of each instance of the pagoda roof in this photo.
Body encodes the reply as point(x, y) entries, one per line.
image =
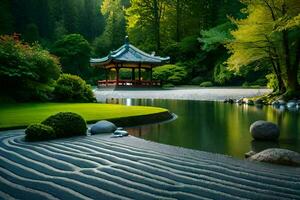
point(130, 56)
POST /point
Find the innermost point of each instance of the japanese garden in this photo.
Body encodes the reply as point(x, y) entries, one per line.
point(149, 99)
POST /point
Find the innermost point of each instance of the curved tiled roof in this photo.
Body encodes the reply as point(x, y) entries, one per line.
point(130, 54)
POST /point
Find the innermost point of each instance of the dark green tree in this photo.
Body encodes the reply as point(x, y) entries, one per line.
point(74, 53)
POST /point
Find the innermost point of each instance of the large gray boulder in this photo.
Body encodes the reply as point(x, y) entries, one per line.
point(103, 127)
point(263, 130)
point(277, 156)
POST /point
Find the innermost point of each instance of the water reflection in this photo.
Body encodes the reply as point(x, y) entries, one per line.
point(216, 127)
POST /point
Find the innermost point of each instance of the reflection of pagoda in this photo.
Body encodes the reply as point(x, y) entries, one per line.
point(129, 57)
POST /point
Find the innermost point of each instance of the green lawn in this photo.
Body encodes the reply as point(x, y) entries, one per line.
point(21, 115)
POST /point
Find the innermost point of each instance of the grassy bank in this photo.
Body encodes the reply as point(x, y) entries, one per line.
point(13, 116)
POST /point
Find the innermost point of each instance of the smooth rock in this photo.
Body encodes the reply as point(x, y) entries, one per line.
point(120, 133)
point(103, 127)
point(240, 101)
point(281, 102)
point(263, 130)
point(291, 104)
point(250, 102)
point(258, 102)
point(229, 101)
point(249, 154)
point(275, 104)
point(298, 104)
point(277, 156)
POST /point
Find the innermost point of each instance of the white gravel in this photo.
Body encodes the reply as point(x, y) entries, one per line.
point(204, 94)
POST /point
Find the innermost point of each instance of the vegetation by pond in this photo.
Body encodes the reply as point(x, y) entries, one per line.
point(21, 115)
point(204, 39)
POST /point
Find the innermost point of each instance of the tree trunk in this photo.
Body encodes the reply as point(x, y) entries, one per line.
point(276, 67)
point(291, 70)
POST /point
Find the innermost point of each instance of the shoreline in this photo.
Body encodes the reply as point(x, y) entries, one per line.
point(181, 93)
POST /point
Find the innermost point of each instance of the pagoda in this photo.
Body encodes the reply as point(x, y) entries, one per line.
point(129, 57)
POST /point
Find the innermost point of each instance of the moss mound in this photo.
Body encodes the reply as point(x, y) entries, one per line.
point(66, 124)
point(39, 132)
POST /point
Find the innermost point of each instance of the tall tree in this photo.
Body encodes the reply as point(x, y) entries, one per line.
point(115, 26)
point(74, 53)
point(144, 19)
point(271, 28)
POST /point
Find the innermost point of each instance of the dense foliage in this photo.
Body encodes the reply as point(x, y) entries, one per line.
point(114, 29)
point(206, 38)
point(170, 74)
point(51, 19)
point(74, 52)
point(272, 28)
point(66, 124)
point(26, 71)
point(39, 132)
point(71, 88)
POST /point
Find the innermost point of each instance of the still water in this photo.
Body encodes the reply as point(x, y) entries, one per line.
point(216, 127)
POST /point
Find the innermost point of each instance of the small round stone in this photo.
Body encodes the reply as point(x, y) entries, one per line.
point(263, 130)
point(103, 127)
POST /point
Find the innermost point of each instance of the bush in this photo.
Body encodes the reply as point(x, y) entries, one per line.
point(74, 52)
point(39, 132)
point(27, 72)
point(206, 84)
point(72, 88)
point(222, 75)
point(197, 80)
point(170, 74)
point(66, 124)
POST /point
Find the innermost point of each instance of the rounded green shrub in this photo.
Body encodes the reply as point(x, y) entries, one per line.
point(39, 132)
point(66, 124)
point(72, 88)
point(173, 74)
point(206, 84)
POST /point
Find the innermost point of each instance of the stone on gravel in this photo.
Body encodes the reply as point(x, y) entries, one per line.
point(120, 133)
point(263, 130)
point(249, 154)
point(103, 127)
point(277, 156)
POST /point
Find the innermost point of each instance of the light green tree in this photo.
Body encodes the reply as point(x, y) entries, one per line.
point(269, 37)
point(115, 27)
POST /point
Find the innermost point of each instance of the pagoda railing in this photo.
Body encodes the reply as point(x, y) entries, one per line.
point(132, 83)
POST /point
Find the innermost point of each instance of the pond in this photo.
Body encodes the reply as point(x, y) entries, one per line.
point(216, 127)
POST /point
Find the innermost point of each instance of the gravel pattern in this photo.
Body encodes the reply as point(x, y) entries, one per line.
point(101, 167)
point(205, 94)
